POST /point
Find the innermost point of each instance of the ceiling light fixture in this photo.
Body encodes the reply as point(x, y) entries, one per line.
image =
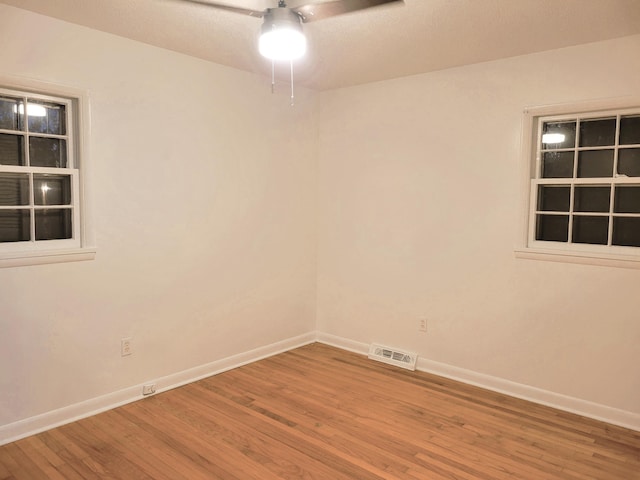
point(281, 37)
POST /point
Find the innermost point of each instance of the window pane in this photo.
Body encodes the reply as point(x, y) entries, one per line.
point(595, 163)
point(627, 199)
point(47, 152)
point(592, 199)
point(552, 198)
point(11, 149)
point(557, 165)
point(630, 130)
point(552, 228)
point(10, 118)
point(626, 231)
point(15, 225)
point(597, 133)
point(53, 224)
point(558, 135)
point(594, 230)
point(52, 189)
point(14, 189)
point(46, 117)
point(629, 162)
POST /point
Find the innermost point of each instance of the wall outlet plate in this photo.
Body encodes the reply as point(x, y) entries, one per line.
point(149, 389)
point(422, 325)
point(126, 347)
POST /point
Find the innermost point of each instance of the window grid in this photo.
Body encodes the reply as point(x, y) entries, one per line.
point(613, 182)
point(57, 228)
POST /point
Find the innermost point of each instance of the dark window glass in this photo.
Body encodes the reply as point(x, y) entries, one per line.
point(592, 199)
point(595, 163)
point(52, 189)
point(626, 231)
point(630, 130)
point(629, 162)
point(10, 113)
point(47, 152)
point(627, 199)
point(552, 228)
point(558, 135)
point(53, 224)
point(14, 189)
point(46, 118)
point(557, 165)
point(594, 230)
point(15, 225)
point(598, 133)
point(552, 198)
point(11, 149)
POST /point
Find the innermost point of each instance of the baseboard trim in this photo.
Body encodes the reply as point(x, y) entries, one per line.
point(55, 418)
point(566, 403)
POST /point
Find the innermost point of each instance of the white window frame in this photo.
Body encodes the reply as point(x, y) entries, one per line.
point(81, 246)
point(527, 246)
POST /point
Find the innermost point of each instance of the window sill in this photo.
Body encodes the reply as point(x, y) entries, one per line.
point(23, 259)
point(584, 258)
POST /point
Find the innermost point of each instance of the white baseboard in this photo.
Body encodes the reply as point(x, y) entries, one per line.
point(40, 423)
point(585, 408)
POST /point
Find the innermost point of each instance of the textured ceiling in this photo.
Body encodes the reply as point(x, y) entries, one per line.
point(376, 44)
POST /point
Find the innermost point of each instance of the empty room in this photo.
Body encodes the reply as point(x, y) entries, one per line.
point(404, 246)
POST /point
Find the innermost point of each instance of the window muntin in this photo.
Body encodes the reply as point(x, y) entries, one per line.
point(39, 174)
point(585, 190)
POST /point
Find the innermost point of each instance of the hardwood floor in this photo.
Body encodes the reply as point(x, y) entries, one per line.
point(322, 413)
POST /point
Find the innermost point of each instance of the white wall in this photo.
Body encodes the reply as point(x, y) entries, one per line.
point(419, 205)
point(203, 199)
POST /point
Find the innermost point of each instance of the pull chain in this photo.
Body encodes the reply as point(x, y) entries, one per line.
point(292, 97)
point(273, 79)
point(273, 75)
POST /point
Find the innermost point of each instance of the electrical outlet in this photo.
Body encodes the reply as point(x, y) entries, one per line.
point(422, 325)
point(126, 347)
point(149, 389)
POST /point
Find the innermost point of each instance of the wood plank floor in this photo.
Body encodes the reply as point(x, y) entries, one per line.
point(322, 413)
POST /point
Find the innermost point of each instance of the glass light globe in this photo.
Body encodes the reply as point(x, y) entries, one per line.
point(282, 44)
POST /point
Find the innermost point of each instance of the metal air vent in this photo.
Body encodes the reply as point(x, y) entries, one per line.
point(393, 356)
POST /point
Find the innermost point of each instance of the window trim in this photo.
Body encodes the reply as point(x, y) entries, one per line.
point(526, 248)
point(80, 117)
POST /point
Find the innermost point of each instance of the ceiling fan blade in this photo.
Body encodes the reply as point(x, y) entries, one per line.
point(222, 6)
point(319, 11)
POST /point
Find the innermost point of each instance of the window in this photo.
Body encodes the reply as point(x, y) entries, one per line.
point(41, 186)
point(584, 183)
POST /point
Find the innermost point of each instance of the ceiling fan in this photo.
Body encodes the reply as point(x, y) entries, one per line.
point(281, 37)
